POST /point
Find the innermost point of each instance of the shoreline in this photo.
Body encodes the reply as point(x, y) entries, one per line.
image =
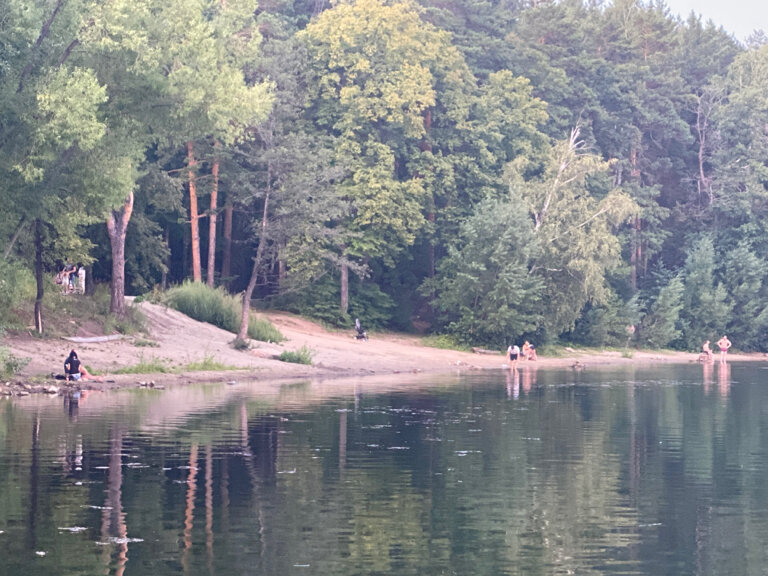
point(178, 341)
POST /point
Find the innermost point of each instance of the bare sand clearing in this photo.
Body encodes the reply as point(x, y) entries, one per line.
point(336, 354)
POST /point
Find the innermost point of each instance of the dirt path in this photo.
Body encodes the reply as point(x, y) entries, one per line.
point(179, 340)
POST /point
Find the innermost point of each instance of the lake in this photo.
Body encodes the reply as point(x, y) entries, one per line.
point(640, 470)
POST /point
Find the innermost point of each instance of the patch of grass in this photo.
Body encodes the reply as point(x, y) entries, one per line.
point(551, 351)
point(444, 342)
point(64, 313)
point(263, 330)
point(627, 353)
point(144, 343)
point(301, 356)
point(10, 364)
point(152, 365)
point(215, 306)
point(207, 364)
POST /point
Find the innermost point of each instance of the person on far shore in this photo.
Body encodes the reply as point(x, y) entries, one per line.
point(705, 349)
point(74, 370)
point(514, 353)
point(526, 349)
point(81, 278)
point(724, 344)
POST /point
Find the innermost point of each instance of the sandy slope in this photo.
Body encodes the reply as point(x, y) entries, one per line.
point(182, 340)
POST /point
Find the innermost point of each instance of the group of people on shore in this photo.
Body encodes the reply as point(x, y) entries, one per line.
point(723, 344)
point(72, 278)
point(515, 353)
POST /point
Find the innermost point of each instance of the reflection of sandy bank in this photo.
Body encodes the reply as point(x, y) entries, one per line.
point(159, 410)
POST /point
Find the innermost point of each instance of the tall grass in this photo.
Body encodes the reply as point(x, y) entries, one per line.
point(207, 364)
point(152, 365)
point(444, 342)
point(215, 306)
point(301, 356)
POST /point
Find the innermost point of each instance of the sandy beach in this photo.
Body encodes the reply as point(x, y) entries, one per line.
point(176, 341)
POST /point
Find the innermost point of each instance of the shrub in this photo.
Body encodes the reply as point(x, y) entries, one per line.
point(207, 364)
point(215, 306)
point(153, 365)
point(263, 330)
point(301, 356)
point(11, 364)
point(16, 285)
point(444, 342)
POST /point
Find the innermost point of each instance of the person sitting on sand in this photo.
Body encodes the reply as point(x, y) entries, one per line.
point(74, 370)
point(724, 344)
point(532, 352)
point(705, 349)
point(526, 350)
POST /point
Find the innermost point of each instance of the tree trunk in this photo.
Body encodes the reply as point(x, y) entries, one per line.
point(39, 276)
point(117, 226)
point(194, 217)
point(212, 218)
point(166, 239)
point(226, 258)
point(246, 312)
point(636, 254)
point(344, 288)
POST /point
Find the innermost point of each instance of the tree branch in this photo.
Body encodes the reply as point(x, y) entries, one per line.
point(46, 29)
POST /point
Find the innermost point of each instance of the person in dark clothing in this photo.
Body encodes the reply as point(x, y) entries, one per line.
point(74, 370)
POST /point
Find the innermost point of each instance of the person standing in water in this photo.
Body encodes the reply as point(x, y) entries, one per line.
point(724, 344)
point(514, 353)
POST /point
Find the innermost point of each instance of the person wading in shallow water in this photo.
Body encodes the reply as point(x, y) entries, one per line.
point(724, 344)
point(514, 353)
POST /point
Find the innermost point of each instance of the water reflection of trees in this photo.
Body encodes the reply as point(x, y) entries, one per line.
point(566, 475)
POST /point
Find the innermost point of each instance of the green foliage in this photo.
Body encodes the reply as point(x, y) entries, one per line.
point(744, 281)
point(320, 302)
point(485, 290)
point(659, 326)
point(144, 343)
point(215, 306)
point(132, 322)
point(207, 364)
point(301, 356)
point(10, 364)
point(574, 228)
point(263, 330)
point(152, 365)
point(706, 309)
point(16, 285)
point(444, 342)
point(606, 324)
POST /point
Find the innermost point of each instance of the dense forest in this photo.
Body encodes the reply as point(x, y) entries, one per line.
point(493, 170)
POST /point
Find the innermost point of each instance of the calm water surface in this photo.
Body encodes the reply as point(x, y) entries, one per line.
point(633, 471)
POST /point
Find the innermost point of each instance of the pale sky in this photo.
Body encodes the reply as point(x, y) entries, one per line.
point(740, 17)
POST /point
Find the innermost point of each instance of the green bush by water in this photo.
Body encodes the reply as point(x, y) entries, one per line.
point(215, 306)
point(301, 356)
